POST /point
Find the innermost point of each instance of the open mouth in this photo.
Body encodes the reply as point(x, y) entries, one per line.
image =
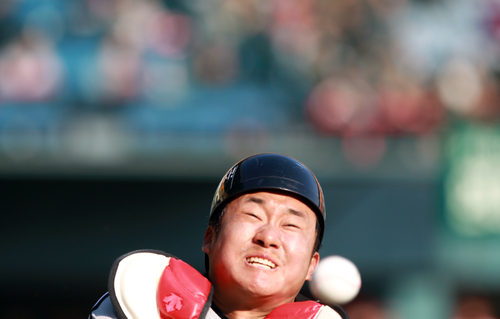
point(261, 262)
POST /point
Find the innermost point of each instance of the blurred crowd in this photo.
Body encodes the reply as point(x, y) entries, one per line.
point(405, 66)
point(352, 67)
point(362, 70)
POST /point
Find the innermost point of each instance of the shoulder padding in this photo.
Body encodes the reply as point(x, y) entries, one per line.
point(156, 285)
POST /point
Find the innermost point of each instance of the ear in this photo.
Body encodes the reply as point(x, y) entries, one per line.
point(207, 240)
point(312, 266)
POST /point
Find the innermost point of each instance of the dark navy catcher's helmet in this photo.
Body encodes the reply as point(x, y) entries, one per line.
point(273, 173)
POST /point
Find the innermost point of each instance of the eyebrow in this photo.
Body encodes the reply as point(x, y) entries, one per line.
point(260, 201)
point(296, 213)
point(256, 200)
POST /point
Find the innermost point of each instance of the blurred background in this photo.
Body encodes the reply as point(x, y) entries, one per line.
point(119, 117)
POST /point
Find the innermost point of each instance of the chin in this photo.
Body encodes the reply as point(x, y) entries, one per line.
point(265, 290)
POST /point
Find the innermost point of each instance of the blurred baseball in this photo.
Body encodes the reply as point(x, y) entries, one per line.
point(336, 280)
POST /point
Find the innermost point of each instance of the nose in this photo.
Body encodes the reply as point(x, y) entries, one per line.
point(267, 236)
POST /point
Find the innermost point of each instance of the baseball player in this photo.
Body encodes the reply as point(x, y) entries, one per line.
point(265, 228)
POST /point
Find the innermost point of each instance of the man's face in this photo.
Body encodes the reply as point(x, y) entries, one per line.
point(264, 248)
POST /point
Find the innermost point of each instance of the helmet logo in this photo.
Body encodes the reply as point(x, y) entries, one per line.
point(230, 174)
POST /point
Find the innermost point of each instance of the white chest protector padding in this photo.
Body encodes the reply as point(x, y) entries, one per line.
point(135, 283)
point(328, 313)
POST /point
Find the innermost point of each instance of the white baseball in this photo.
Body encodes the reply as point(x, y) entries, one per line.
point(336, 280)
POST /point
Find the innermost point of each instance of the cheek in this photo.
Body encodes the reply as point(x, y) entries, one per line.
point(232, 239)
point(300, 250)
point(237, 229)
point(228, 249)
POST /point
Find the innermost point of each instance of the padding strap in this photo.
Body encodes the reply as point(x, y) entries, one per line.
point(304, 310)
point(300, 309)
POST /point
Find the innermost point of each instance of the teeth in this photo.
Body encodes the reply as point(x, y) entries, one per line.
point(261, 261)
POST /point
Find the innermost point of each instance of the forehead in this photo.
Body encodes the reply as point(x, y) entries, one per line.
point(289, 204)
